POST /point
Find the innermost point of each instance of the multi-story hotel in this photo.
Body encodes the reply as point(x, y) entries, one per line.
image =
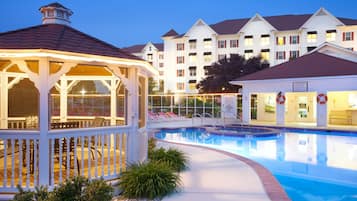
point(184, 60)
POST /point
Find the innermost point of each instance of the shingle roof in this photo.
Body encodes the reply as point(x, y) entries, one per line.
point(280, 22)
point(172, 32)
point(287, 22)
point(59, 37)
point(315, 64)
point(55, 4)
point(139, 48)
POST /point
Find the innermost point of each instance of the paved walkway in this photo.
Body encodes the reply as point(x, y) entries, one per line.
point(215, 176)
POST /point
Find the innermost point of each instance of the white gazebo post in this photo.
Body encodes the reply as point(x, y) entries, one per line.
point(113, 101)
point(63, 99)
point(3, 100)
point(133, 114)
point(43, 87)
point(280, 108)
point(321, 110)
point(245, 106)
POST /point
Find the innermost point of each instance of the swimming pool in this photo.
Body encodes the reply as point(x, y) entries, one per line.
point(310, 165)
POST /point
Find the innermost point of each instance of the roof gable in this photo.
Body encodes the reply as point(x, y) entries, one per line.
point(61, 38)
point(321, 12)
point(199, 24)
point(256, 18)
point(315, 64)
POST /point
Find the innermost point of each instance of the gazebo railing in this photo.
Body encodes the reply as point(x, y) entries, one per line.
point(18, 153)
point(90, 152)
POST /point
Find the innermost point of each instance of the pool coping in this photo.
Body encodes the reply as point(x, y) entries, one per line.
point(270, 184)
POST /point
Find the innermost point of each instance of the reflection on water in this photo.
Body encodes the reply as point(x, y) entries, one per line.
point(307, 155)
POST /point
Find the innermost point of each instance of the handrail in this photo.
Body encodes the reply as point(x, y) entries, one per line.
point(202, 116)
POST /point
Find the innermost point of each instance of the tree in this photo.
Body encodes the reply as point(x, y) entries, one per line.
point(225, 70)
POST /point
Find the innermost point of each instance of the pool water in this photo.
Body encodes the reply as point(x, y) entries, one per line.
point(310, 165)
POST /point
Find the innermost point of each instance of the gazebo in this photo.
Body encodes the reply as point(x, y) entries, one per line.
point(70, 104)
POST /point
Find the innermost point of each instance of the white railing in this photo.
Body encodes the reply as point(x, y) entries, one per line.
point(18, 159)
point(90, 152)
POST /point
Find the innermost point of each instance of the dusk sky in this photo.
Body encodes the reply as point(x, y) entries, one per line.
point(129, 22)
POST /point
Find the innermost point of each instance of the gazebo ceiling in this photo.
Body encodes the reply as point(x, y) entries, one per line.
point(88, 70)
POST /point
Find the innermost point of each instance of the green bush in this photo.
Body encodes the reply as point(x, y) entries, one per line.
point(176, 159)
point(76, 189)
point(40, 194)
point(150, 180)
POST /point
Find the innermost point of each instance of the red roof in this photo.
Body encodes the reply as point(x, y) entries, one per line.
point(172, 32)
point(59, 37)
point(311, 65)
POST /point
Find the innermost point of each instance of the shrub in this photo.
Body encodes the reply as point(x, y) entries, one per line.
point(98, 190)
point(176, 159)
point(148, 181)
point(40, 194)
point(70, 190)
point(151, 146)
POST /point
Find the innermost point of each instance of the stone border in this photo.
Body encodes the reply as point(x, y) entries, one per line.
point(272, 187)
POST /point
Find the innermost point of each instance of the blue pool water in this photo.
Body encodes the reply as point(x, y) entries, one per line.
point(310, 165)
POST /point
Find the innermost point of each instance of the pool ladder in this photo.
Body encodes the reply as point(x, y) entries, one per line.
point(203, 116)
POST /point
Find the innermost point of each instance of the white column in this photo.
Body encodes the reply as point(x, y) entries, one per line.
point(280, 112)
point(132, 114)
point(3, 100)
point(245, 106)
point(63, 99)
point(321, 112)
point(113, 102)
point(43, 122)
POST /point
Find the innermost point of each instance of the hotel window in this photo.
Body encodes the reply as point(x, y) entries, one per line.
point(180, 73)
point(205, 68)
point(280, 40)
point(309, 49)
point(149, 57)
point(180, 59)
point(207, 43)
point(161, 73)
point(192, 43)
point(180, 46)
point(248, 40)
point(294, 39)
point(222, 57)
point(265, 39)
point(347, 36)
point(234, 43)
point(222, 44)
point(280, 55)
point(330, 35)
point(161, 65)
point(161, 56)
point(192, 70)
point(180, 86)
point(311, 36)
point(265, 54)
point(207, 56)
point(192, 84)
point(248, 54)
point(192, 57)
point(294, 54)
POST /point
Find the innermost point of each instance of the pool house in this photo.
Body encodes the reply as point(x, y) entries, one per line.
point(70, 104)
point(317, 89)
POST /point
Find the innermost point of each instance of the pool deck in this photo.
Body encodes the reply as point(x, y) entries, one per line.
point(220, 176)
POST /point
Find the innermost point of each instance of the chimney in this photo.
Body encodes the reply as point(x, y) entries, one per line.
point(55, 13)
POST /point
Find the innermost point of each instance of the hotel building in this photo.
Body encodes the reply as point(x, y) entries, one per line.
point(183, 59)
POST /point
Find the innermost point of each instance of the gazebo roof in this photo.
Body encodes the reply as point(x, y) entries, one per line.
point(61, 38)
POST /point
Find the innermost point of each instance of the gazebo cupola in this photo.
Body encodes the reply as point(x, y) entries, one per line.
point(55, 13)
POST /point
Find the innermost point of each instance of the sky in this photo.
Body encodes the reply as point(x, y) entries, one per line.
point(128, 22)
